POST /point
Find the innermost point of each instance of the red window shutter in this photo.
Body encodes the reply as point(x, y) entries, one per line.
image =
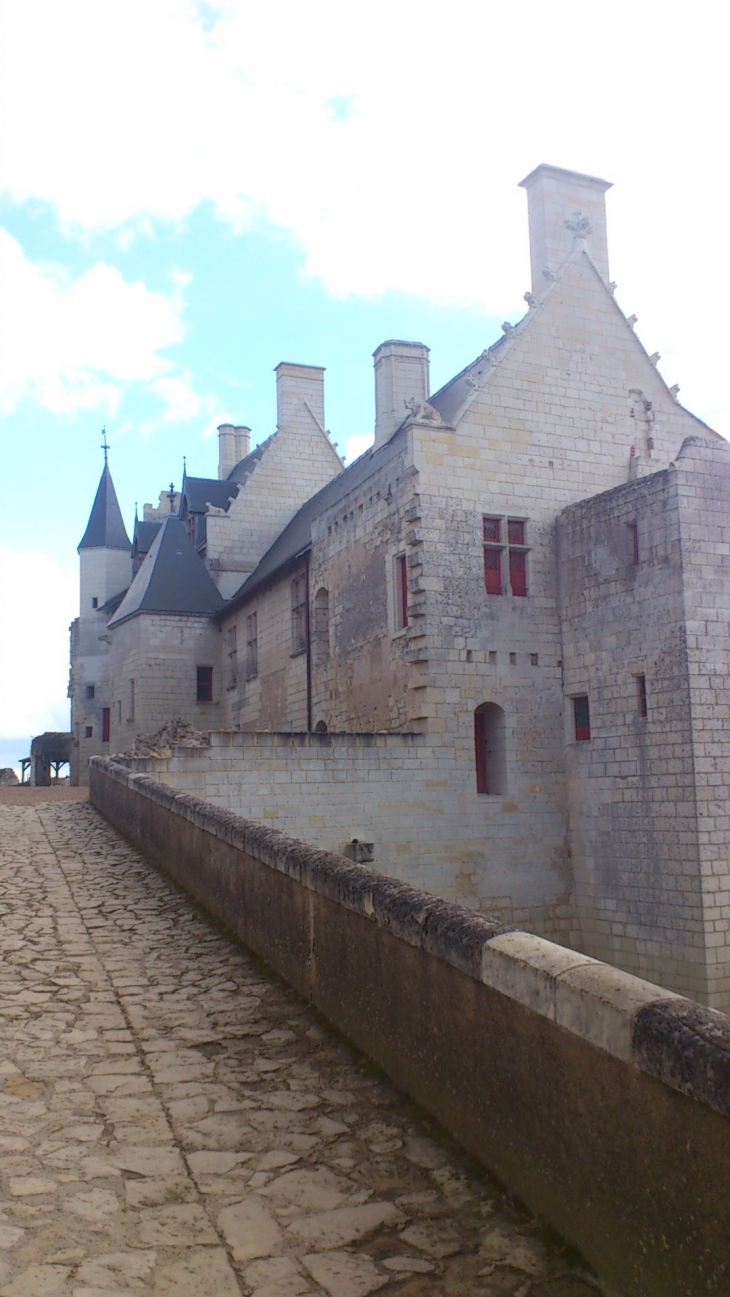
point(491, 529)
point(106, 722)
point(582, 719)
point(515, 532)
point(518, 571)
point(480, 751)
point(493, 571)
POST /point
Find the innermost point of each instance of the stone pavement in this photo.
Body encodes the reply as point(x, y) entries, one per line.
point(175, 1121)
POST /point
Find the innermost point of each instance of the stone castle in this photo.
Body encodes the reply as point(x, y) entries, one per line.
point(491, 655)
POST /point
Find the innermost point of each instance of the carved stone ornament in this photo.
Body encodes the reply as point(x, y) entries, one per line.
point(530, 299)
point(423, 411)
point(549, 274)
point(612, 286)
point(582, 226)
point(655, 358)
point(674, 390)
point(631, 320)
point(507, 328)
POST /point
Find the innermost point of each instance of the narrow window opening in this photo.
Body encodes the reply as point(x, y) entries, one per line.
point(517, 557)
point(106, 724)
point(232, 636)
point(95, 602)
point(320, 727)
point(89, 731)
point(298, 614)
point(582, 718)
point(90, 691)
point(252, 646)
point(119, 711)
point(204, 684)
point(400, 581)
point(534, 659)
point(641, 695)
point(131, 701)
point(633, 530)
point(490, 750)
point(321, 627)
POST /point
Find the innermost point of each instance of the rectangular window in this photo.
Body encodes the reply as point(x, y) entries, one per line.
point(400, 590)
point(582, 718)
point(493, 570)
point(480, 751)
point(131, 701)
point(641, 695)
point(633, 530)
point(90, 691)
point(204, 684)
point(119, 711)
point(89, 731)
point(515, 531)
point(95, 602)
point(252, 647)
point(299, 614)
point(106, 724)
point(232, 637)
point(518, 572)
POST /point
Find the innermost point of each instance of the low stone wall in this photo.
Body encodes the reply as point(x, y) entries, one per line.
point(599, 1099)
point(413, 798)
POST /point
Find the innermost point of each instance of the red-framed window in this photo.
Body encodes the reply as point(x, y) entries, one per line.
point(204, 684)
point(517, 551)
point(106, 724)
point(582, 718)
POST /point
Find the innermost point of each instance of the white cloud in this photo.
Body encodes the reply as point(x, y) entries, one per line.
point(73, 342)
point(34, 645)
point(389, 139)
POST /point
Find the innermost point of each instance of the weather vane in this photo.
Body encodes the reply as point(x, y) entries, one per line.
point(171, 496)
point(105, 446)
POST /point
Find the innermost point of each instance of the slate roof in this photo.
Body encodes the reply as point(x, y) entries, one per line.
point(297, 535)
point(200, 491)
point(105, 528)
point(172, 578)
point(112, 604)
point(144, 534)
point(241, 470)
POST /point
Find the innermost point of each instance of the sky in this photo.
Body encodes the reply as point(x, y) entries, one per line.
point(192, 192)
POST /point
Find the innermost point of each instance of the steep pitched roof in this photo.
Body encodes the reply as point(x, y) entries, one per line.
point(105, 528)
point(144, 534)
point(245, 466)
point(297, 535)
point(198, 492)
point(172, 579)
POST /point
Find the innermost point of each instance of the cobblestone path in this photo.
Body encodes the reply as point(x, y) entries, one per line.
point(174, 1121)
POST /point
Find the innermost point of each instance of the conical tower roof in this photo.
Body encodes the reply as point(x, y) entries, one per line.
point(105, 528)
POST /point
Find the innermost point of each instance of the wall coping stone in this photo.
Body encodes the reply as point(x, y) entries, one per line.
point(667, 1036)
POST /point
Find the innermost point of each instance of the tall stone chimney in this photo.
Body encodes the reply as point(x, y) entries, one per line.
point(564, 206)
point(233, 444)
point(401, 371)
point(299, 394)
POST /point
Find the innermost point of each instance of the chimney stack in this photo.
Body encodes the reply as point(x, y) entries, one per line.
point(564, 207)
point(299, 395)
point(233, 445)
point(401, 371)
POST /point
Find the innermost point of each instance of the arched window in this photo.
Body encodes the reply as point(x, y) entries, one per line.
point(490, 749)
point(321, 628)
point(320, 727)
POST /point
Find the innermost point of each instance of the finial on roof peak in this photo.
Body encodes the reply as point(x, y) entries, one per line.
point(105, 446)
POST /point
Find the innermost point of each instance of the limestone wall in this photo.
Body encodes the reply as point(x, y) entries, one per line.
point(600, 1100)
point(407, 796)
point(153, 671)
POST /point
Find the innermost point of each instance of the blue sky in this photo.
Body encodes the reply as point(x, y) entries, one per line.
point(193, 193)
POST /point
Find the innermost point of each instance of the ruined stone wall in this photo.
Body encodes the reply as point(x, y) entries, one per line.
point(158, 654)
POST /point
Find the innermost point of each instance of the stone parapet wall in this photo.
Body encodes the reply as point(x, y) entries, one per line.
point(407, 794)
point(599, 1099)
